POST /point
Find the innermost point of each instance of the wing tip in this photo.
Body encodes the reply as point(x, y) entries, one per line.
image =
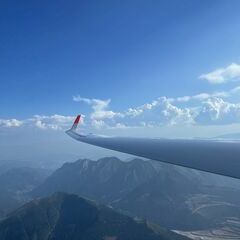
point(77, 119)
point(76, 122)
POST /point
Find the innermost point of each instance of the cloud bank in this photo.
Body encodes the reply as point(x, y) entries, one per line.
point(200, 109)
point(53, 122)
point(10, 123)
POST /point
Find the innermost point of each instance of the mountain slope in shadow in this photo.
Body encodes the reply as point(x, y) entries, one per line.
point(69, 217)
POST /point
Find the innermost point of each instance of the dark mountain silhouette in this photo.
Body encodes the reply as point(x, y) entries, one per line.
point(69, 217)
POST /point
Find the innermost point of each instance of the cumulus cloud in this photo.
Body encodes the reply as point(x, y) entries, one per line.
point(199, 109)
point(54, 122)
point(177, 115)
point(10, 123)
point(203, 96)
point(158, 112)
point(202, 108)
point(134, 112)
point(217, 111)
point(223, 75)
point(100, 108)
point(98, 124)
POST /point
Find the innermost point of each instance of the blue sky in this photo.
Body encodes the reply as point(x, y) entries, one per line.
point(123, 64)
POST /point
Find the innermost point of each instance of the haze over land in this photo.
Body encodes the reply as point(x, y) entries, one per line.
point(160, 193)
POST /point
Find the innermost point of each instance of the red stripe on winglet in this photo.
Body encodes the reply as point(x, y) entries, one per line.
point(77, 119)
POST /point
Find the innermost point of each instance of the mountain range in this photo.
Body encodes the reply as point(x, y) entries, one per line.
point(161, 193)
point(69, 217)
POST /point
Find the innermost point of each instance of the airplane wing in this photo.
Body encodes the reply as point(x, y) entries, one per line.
point(214, 156)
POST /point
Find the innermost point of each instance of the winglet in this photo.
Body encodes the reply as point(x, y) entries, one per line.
point(75, 124)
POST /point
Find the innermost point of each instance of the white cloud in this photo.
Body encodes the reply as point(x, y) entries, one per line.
point(54, 122)
point(98, 124)
point(217, 111)
point(216, 108)
point(222, 75)
point(80, 99)
point(40, 124)
point(183, 99)
point(99, 107)
point(199, 109)
point(202, 108)
point(104, 114)
point(96, 103)
point(160, 111)
point(134, 112)
point(177, 115)
point(203, 96)
point(10, 123)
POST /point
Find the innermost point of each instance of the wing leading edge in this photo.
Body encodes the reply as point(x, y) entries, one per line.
point(217, 157)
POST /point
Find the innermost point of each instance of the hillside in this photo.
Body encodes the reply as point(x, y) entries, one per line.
point(68, 217)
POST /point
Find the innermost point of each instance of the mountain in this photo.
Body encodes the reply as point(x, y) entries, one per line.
point(161, 193)
point(104, 180)
point(15, 183)
point(168, 203)
point(68, 217)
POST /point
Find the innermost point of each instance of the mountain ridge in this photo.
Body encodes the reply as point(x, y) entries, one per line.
point(68, 217)
point(161, 193)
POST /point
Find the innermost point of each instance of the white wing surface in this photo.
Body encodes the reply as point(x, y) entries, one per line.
point(220, 157)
